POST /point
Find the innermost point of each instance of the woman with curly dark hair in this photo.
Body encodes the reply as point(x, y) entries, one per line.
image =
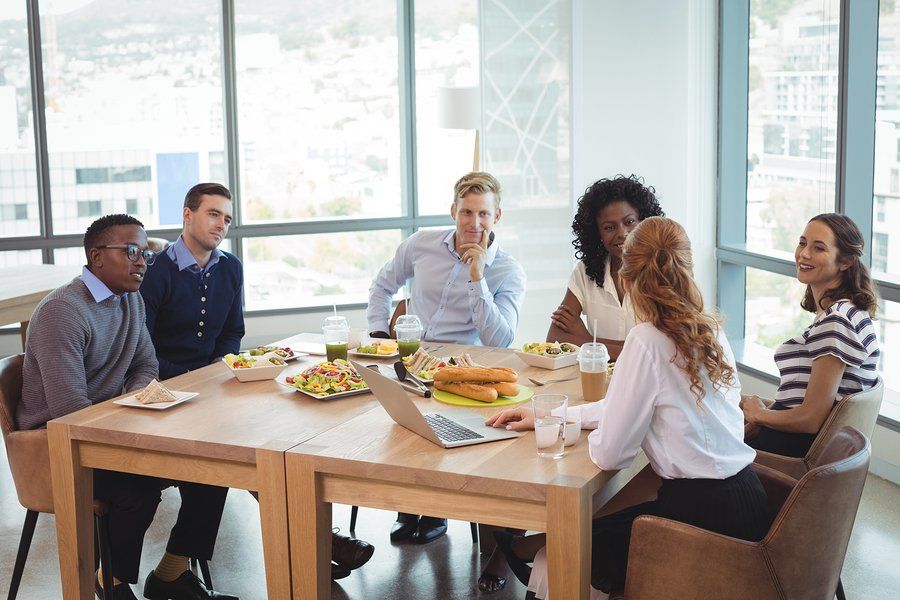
point(608, 211)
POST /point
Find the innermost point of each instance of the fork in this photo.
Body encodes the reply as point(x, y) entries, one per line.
point(536, 382)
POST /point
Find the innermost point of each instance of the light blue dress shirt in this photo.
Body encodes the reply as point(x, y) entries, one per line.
point(451, 308)
point(97, 288)
point(181, 256)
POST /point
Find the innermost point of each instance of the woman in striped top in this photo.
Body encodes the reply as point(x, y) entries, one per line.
point(835, 356)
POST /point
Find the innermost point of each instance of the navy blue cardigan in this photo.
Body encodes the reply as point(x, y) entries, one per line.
point(192, 325)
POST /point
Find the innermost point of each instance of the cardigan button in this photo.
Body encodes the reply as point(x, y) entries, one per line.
point(202, 311)
point(207, 274)
point(203, 299)
point(201, 323)
point(199, 334)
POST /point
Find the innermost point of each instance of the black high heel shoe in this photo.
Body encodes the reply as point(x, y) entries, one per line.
point(519, 567)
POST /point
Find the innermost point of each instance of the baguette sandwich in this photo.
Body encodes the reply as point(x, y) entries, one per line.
point(476, 374)
point(484, 384)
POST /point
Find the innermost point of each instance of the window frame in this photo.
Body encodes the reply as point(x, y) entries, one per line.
point(855, 164)
point(409, 221)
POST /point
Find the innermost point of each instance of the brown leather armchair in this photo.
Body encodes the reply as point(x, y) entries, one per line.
point(157, 244)
point(28, 453)
point(859, 411)
point(800, 557)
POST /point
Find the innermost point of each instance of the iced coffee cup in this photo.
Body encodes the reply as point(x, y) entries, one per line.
point(593, 361)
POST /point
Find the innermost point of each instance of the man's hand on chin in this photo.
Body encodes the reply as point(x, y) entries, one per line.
point(475, 256)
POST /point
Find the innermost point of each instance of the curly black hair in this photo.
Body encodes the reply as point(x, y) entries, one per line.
point(96, 233)
point(588, 247)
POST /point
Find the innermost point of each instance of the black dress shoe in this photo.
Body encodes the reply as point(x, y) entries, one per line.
point(430, 529)
point(186, 587)
point(120, 592)
point(339, 572)
point(349, 552)
point(405, 526)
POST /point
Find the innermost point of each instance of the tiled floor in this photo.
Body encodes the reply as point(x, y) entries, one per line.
point(445, 569)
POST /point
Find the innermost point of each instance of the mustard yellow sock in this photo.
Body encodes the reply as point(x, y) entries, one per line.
point(100, 578)
point(171, 566)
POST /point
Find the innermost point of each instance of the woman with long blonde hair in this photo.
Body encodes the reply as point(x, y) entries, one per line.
point(675, 394)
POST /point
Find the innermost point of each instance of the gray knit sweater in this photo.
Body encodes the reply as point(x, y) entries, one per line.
point(80, 352)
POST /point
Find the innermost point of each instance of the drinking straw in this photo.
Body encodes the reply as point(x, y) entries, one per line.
point(594, 356)
point(595, 331)
point(334, 307)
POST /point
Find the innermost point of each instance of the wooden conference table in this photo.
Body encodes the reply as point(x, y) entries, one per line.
point(302, 454)
point(22, 287)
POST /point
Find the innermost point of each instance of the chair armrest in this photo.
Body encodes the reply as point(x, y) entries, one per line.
point(793, 467)
point(668, 559)
point(778, 486)
point(29, 461)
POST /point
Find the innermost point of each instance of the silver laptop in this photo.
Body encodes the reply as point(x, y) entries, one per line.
point(448, 428)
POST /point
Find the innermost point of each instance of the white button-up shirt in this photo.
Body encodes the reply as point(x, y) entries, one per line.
point(649, 405)
point(451, 308)
point(601, 304)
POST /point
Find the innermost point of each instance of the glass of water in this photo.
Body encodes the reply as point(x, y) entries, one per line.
point(549, 424)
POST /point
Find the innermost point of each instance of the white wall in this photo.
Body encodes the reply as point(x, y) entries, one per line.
point(646, 95)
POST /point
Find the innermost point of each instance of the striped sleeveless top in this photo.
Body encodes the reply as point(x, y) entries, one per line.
point(843, 331)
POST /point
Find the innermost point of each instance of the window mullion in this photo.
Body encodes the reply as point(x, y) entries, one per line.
point(45, 214)
point(734, 66)
point(856, 115)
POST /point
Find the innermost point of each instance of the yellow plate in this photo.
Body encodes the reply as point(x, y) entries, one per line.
point(525, 394)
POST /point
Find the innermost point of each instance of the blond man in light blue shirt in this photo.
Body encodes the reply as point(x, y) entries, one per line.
point(463, 286)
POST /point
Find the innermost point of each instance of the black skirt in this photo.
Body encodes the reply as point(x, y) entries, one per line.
point(736, 507)
point(784, 443)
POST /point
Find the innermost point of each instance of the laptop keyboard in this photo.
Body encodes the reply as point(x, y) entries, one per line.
point(448, 430)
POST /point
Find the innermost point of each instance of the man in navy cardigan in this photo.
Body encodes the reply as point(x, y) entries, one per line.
point(195, 316)
point(193, 291)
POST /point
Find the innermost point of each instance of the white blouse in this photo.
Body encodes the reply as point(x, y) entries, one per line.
point(649, 405)
point(601, 303)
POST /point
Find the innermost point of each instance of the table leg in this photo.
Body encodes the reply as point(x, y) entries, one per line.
point(73, 491)
point(310, 528)
point(569, 542)
point(274, 522)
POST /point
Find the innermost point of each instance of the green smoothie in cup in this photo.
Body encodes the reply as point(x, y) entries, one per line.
point(409, 334)
point(408, 347)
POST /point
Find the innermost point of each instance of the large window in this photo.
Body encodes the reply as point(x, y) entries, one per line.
point(18, 175)
point(318, 110)
point(447, 56)
point(886, 192)
point(134, 106)
point(321, 117)
point(808, 89)
point(792, 118)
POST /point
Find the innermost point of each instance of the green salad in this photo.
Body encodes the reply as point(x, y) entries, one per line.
point(327, 378)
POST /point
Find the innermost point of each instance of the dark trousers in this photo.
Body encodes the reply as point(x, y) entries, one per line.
point(784, 443)
point(736, 507)
point(132, 501)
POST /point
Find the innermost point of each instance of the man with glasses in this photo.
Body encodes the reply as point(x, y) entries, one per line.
point(87, 343)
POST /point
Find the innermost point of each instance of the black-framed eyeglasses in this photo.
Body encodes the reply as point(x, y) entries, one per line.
point(133, 251)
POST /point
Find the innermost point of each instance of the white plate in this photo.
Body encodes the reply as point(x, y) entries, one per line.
point(356, 352)
point(133, 401)
point(294, 355)
point(548, 362)
point(327, 396)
